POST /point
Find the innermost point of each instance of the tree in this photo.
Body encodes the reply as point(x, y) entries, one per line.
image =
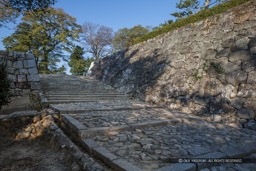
point(11, 9)
point(77, 62)
point(97, 39)
point(30, 5)
point(125, 37)
point(189, 7)
point(7, 14)
point(44, 33)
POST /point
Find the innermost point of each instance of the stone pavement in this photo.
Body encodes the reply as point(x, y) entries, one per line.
point(127, 134)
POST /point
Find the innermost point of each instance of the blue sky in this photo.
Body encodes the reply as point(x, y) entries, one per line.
point(115, 14)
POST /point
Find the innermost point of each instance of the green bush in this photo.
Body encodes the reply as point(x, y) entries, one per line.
point(4, 85)
point(203, 14)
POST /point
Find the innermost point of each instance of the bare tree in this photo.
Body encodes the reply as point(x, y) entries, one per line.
point(207, 3)
point(97, 39)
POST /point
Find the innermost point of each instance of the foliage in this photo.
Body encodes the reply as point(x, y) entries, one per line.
point(197, 76)
point(218, 68)
point(30, 5)
point(189, 6)
point(44, 34)
point(77, 62)
point(11, 9)
point(97, 39)
point(125, 37)
point(7, 14)
point(203, 14)
point(4, 85)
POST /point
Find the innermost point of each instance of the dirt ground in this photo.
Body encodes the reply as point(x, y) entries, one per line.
point(34, 155)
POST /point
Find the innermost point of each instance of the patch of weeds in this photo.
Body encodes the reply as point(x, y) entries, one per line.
point(197, 76)
point(219, 69)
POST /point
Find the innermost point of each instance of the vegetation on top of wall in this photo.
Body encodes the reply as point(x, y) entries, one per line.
point(203, 14)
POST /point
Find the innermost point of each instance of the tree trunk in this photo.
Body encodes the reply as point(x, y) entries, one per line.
point(206, 4)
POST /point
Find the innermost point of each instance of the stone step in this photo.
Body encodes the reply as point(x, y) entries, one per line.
point(86, 98)
point(63, 92)
point(70, 101)
point(52, 96)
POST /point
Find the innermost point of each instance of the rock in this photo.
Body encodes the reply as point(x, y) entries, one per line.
point(245, 114)
point(236, 77)
point(23, 135)
point(113, 133)
point(29, 63)
point(22, 78)
point(34, 77)
point(239, 56)
point(123, 138)
point(36, 118)
point(251, 125)
point(135, 137)
point(216, 118)
point(251, 78)
point(32, 71)
point(158, 151)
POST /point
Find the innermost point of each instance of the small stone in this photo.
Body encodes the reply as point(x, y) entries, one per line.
point(113, 133)
point(245, 114)
point(123, 138)
point(23, 135)
point(36, 118)
point(135, 137)
point(158, 151)
point(139, 130)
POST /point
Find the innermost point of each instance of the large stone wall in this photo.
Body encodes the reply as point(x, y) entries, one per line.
point(206, 68)
point(22, 72)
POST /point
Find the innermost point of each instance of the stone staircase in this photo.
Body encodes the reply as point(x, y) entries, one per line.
point(128, 134)
point(70, 89)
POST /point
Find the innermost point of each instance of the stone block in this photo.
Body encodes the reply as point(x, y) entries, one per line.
point(30, 56)
point(34, 77)
point(73, 123)
point(236, 77)
point(238, 151)
point(18, 65)
point(32, 71)
point(35, 85)
point(179, 167)
point(93, 131)
point(11, 77)
point(239, 56)
point(19, 55)
point(23, 71)
point(123, 165)
point(251, 78)
point(22, 78)
point(29, 63)
point(103, 154)
point(215, 155)
point(89, 144)
point(245, 114)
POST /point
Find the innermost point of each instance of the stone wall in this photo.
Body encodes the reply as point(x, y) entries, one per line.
point(206, 68)
point(22, 72)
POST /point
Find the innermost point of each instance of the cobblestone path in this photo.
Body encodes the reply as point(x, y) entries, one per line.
point(128, 134)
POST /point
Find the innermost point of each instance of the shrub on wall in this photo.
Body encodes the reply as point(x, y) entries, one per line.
point(4, 84)
point(203, 14)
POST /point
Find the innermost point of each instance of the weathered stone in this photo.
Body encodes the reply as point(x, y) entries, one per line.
point(245, 114)
point(34, 77)
point(23, 71)
point(22, 78)
point(251, 78)
point(236, 77)
point(32, 71)
point(239, 56)
point(121, 164)
point(18, 65)
point(179, 167)
point(29, 63)
point(223, 53)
